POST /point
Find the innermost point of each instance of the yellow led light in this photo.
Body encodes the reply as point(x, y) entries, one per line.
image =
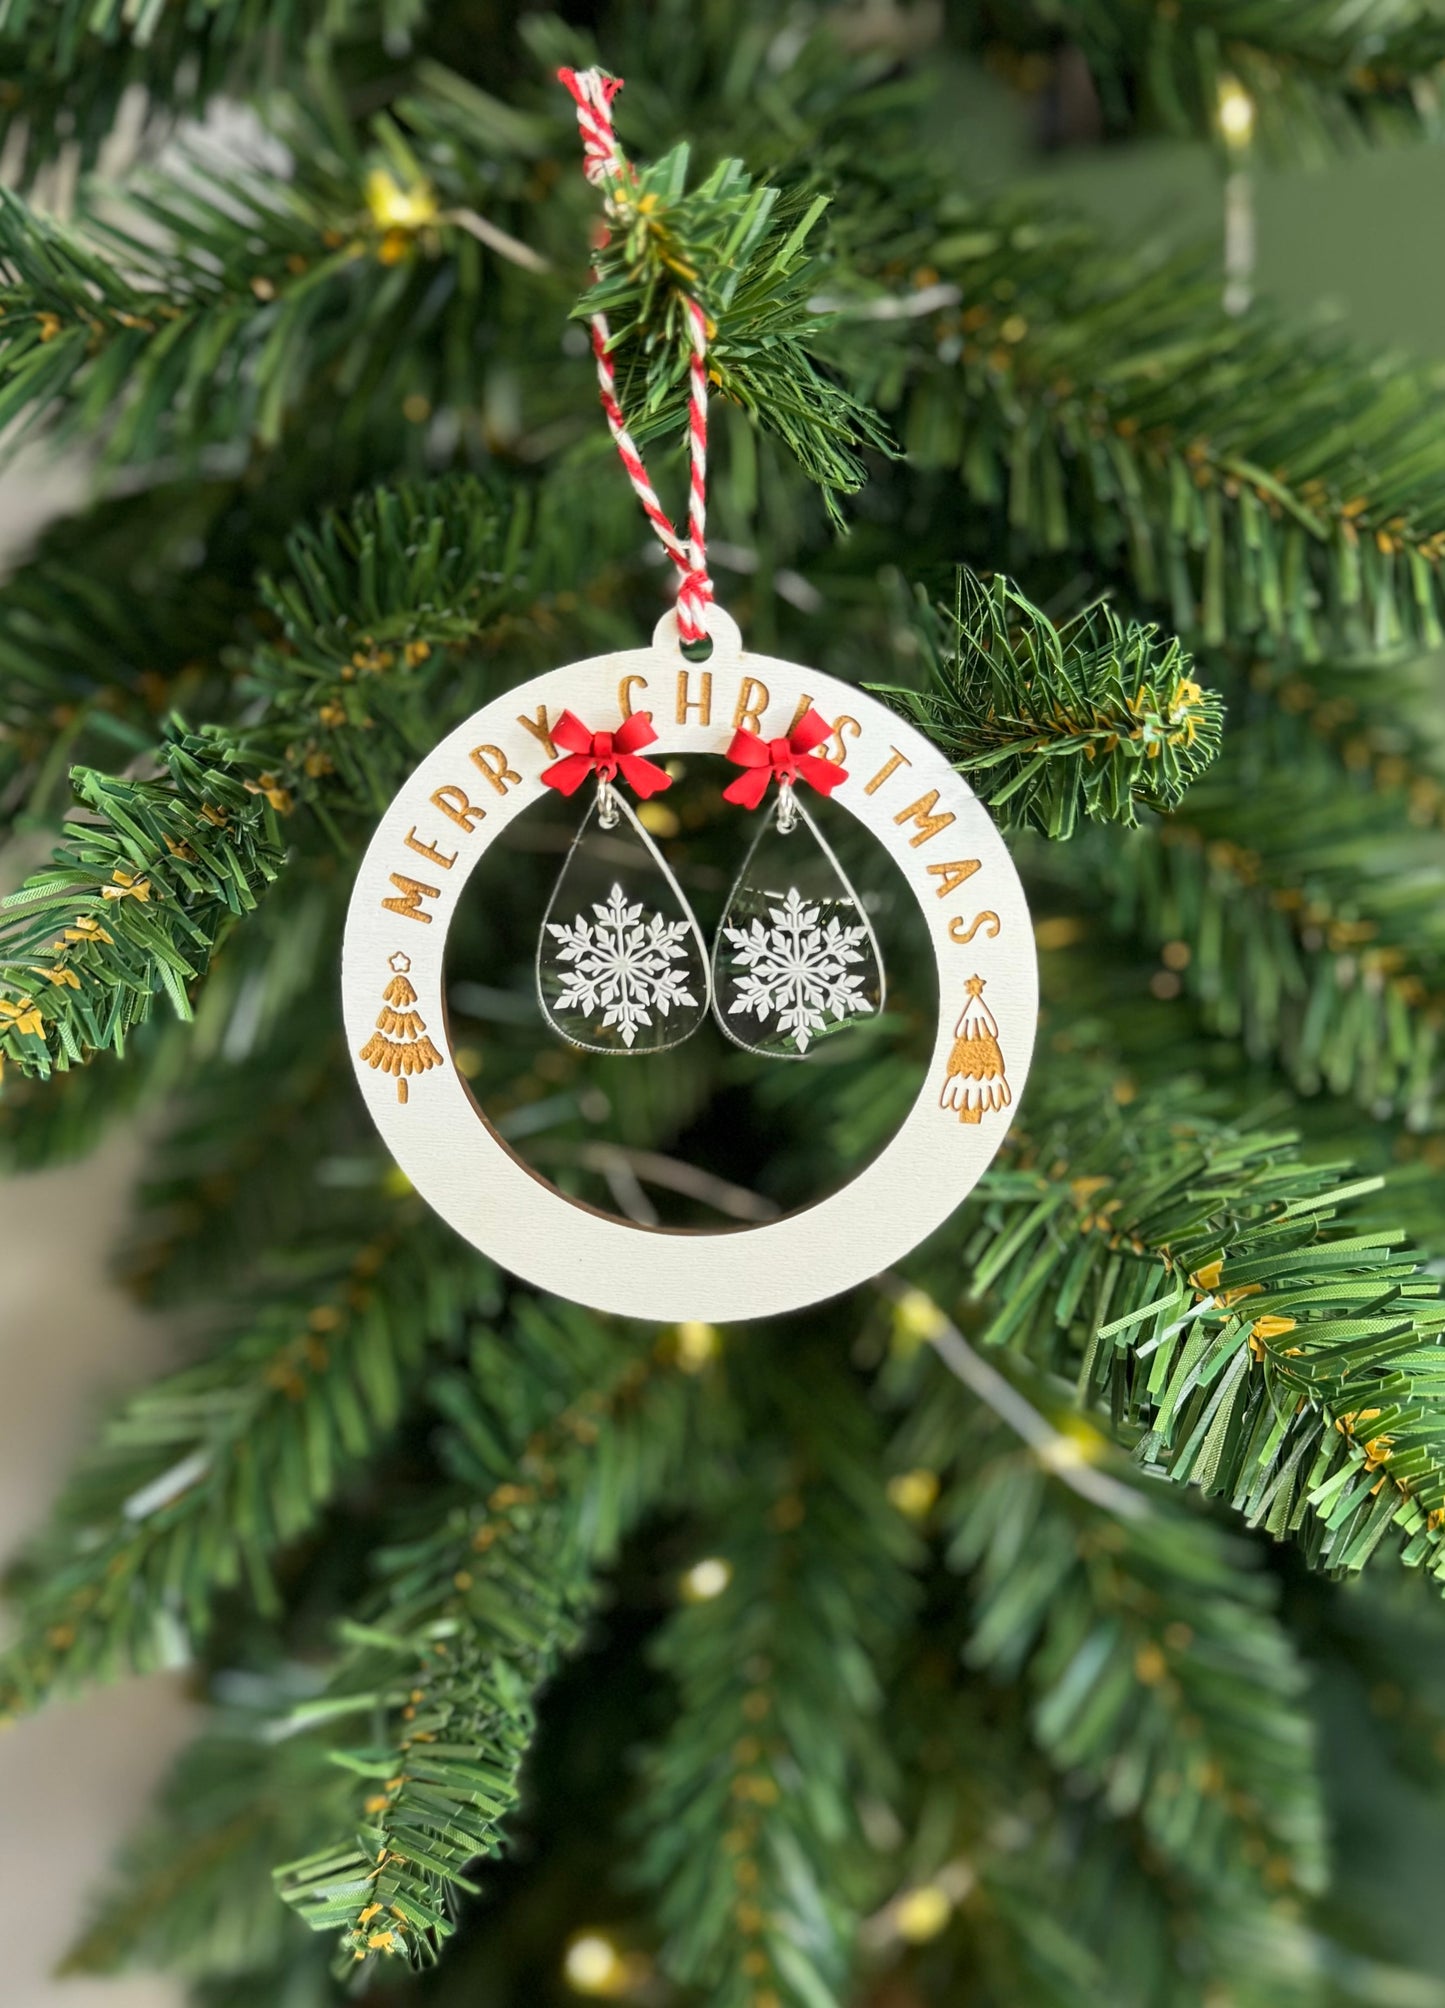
point(1236, 113)
point(913, 1493)
point(923, 1913)
point(1074, 1443)
point(696, 1345)
point(916, 1319)
point(593, 1965)
point(1060, 930)
point(396, 208)
point(706, 1579)
point(658, 819)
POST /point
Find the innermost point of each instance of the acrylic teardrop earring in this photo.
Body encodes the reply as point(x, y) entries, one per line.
point(795, 957)
point(621, 962)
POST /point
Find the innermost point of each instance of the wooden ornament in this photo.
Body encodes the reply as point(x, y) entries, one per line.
point(900, 787)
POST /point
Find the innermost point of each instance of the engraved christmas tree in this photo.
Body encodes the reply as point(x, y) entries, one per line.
point(399, 1045)
point(976, 1079)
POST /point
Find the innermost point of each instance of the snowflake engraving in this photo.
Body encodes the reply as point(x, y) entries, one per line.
point(622, 965)
point(797, 970)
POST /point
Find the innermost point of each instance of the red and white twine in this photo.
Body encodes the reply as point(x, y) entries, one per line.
point(606, 168)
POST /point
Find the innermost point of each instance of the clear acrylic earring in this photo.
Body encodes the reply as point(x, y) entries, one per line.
point(621, 962)
point(795, 957)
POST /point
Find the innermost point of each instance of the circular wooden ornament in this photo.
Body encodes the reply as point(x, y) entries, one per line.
point(899, 786)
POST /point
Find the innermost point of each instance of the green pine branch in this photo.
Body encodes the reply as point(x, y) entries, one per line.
point(1158, 1665)
point(133, 907)
point(747, 1828)
point(216, 303)
point(1034, 1887)
point(741, 250)
point(85, 662)
point(192, 1893)
point(564, 1433)
point(1322, 77)
point(224, 304)
point(96, 647)
point(251, 1045)
point(1100, 717)
point(1249, 1331)
point(66, 66)
point(1301, 904)
point(203, 1476)
point(1248, 476)
point(135, 903)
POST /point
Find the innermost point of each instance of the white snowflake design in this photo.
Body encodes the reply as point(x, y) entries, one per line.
point(622, 965)
point(797, 969)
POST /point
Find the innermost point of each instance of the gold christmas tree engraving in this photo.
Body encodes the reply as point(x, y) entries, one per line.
point(399, 1045)
point(976, 1078)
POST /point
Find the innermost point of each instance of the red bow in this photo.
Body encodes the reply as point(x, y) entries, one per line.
point(791, 759)
point(605, 754)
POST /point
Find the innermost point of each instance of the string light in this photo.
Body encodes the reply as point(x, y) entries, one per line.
point(922, 1913)
point(706, 1579)
point(913, 1493)
point(696, 1343)
point(1236, 114)
point(396, 208)
point(593, 1965)
point(916, 1320)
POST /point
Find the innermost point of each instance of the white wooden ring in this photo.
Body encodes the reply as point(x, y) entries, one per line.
point(899, 786)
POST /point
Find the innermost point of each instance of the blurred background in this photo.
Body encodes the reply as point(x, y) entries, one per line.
point(1349, 240)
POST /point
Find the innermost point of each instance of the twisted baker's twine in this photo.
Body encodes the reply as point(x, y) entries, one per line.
point(605, 167)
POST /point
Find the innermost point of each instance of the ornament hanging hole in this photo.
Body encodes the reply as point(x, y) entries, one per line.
point(724, 641)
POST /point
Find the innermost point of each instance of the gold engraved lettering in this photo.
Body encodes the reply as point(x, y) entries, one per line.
point(540, 730)
point(837, 751)
point(415, 843)
point(752, 703)
point(894, 761)
point(493, 763)
point(453, 802)
point(921, 812)
point(989, 922)
point(413, 892)
point(951, 877)
point(686, 702)
point(625, 687)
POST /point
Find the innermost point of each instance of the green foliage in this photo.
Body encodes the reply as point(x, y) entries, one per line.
point(1251, 478)
point(1307, 890)
point(202, 1477)
point(218, 303)
point(742, 253)
point(193, 1890)
point(135, 904)
point(748, 1824)
point(562, 1435)
point(1208, 1283)
point(1159, 1669)
point(66, 66)
point(1322, 76)
point(1048, 1739)
point(1101, 716)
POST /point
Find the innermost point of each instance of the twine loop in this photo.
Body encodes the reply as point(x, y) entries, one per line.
point(606, 167)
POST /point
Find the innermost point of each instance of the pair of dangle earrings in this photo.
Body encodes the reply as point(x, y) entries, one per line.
point(622, 966)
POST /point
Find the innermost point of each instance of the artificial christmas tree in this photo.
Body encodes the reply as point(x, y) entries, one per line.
point(1054, 1618)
